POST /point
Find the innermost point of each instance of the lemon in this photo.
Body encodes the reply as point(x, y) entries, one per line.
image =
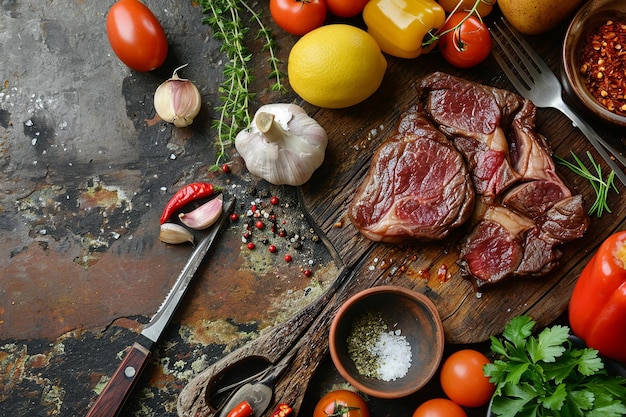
point(336, 66)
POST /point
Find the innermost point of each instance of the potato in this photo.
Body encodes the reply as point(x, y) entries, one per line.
point(533, 17)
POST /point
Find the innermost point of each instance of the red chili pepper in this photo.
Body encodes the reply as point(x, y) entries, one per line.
point(597, 308)
point(243, 409)
point(187, 194)
point(282, 410)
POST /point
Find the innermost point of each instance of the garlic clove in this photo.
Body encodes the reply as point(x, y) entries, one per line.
point(205, 215)
point(174, 234)
point(177, 100)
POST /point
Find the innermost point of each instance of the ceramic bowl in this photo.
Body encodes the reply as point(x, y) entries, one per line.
point(587, 20)
point(415, 325)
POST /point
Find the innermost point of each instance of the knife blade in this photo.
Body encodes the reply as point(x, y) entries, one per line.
point(111, 400)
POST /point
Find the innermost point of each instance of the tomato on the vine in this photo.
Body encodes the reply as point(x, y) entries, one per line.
point(341, 403)
point(439, 407)
point(136, 36)
point(465, 40)
point(298, 17)
point(463, 380)
point(346, 8)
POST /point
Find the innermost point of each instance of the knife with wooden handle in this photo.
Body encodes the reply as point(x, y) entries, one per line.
point(110, 401)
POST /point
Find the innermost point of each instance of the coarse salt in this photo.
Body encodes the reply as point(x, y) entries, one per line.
point(394, 355)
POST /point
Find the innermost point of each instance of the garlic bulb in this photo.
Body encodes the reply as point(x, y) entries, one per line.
point(282, 145)
point(174, 234)
point(177, 100)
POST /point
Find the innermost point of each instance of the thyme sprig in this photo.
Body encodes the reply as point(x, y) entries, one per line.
point(225, 19)
point(600, 185)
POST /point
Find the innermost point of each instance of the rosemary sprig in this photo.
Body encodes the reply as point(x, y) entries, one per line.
point(225, 19)
point(597, 181)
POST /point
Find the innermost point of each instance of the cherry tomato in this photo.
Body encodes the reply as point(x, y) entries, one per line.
point(465, 40)
point(298, 16)
point(342, 403)
point(346, 8)
point(463, 381)
point(136, 35)
point(439, 407)
point(483, 8)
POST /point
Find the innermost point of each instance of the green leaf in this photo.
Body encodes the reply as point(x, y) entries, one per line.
point(608, 386)
point(572, 409)
point(547, 376)
point(497, 346)
point(549, 344)
point(516, 371)
point(518, 329)
point(582, 399)
point(496, 371)
point(607, 407)
point(589, 362)
point(556, 399)
point(517, 400)
point(562, 369)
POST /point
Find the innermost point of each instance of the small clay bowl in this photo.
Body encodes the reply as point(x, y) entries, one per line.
point(418, 321)
point(586, 21)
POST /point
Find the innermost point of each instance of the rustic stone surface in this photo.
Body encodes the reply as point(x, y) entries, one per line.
point(86, 167)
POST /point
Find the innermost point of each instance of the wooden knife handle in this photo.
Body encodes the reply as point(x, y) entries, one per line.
point(114, 395)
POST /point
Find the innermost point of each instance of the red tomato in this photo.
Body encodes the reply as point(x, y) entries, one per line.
point(463, 381)
point(464, 44)
point(439, 407)
point(136, 35)
point(341, 403)
point(298, 16)
point(346, 8)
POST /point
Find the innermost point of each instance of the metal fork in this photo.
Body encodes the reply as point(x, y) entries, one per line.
point(535, 81)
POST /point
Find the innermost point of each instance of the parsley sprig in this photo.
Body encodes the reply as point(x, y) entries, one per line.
point(600, 185)
point(545, 375)
point(228, 25)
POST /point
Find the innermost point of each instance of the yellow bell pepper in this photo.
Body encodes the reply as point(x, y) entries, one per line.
point(399, 26)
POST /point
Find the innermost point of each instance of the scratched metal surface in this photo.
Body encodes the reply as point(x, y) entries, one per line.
point(86, 167)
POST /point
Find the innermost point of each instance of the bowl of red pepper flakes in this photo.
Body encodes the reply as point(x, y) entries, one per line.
point(594, 59)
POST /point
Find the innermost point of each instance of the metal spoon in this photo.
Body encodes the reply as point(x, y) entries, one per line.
point(258, 394)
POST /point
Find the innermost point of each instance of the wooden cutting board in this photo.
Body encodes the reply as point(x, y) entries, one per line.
point(468, 316)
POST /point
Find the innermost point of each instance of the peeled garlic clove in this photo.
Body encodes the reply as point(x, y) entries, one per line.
point(205, 215)
point(177, 100)
point(174, 234)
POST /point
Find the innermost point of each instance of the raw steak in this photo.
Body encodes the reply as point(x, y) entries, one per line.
point(530, 211)
point(417, 186)
point(475, 117)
